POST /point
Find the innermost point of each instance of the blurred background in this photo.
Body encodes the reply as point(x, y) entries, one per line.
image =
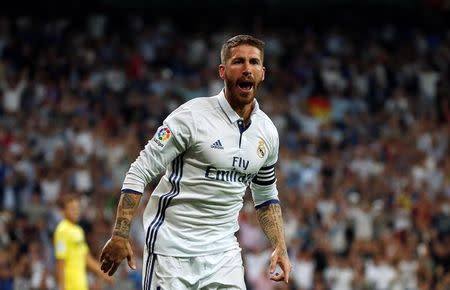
point(359, 91)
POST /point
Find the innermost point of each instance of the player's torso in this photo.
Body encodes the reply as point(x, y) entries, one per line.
point(75, 262)
point(201, 194)
point(225, 153)
point(77, 247)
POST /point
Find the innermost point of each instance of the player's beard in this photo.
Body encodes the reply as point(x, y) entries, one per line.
point(238, 98)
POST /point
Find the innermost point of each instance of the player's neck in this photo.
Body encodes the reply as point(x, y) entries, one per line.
point(244, 112)
point(71, 220)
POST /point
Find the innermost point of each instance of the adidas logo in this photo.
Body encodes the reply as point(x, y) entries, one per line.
point(217, 145)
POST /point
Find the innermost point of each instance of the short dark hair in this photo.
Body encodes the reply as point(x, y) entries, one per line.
point(68, 198)
point(239, 40)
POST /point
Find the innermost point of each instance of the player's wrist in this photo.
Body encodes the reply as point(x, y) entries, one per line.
point(120, 235)
point(281, 250)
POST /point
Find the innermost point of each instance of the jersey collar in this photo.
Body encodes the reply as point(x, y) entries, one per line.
point(231, 114)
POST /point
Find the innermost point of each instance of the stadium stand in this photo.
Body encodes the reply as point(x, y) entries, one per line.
point(363, 115)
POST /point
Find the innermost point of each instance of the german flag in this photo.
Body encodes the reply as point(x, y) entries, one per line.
point(320, 107)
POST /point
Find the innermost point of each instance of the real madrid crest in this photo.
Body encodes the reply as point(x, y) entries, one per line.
point(261, 150)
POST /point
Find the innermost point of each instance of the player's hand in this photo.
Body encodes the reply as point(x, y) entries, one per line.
point(279, 257)
point(115, 250)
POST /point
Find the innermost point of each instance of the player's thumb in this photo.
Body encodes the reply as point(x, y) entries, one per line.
point(273, 264)
point(130, 260)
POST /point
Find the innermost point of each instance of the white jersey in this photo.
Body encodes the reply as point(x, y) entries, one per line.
point(210, 160)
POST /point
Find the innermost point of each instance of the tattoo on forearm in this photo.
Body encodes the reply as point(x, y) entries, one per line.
point(128, 202)
point(122, 228)
point(271, 222)
point(127, 206)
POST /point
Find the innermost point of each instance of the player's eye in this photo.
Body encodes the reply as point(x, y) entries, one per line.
point(255, 61)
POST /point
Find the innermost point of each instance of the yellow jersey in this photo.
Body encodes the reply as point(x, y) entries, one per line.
point(70, 246)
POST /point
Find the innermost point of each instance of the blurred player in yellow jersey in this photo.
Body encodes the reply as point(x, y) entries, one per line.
point(71, 250)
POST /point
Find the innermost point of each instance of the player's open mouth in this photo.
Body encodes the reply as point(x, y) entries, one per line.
point(246, 86)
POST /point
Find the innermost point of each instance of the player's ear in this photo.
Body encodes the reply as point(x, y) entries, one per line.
point(263, 73)
point(222, 71)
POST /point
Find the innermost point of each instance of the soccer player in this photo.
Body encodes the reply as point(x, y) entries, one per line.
point(71, 251)
point(212, 149)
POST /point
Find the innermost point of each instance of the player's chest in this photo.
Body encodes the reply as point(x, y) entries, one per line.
point(228, 147)
point(77, 239)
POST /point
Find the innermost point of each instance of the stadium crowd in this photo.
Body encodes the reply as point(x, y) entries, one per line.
point(363, 116)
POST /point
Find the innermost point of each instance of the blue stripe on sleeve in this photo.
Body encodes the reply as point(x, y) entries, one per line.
point(127, 190)
point(266, 203)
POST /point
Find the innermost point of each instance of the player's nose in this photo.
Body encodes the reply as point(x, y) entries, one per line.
point(246, 71)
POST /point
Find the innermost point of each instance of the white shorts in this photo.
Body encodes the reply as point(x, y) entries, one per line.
point(219, 271)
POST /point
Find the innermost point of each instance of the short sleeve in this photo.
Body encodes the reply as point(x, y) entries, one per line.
point(61, 245)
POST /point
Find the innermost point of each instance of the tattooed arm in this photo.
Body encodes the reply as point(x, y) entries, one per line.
point(118, 246)
point(128, 204)
point(271, 222)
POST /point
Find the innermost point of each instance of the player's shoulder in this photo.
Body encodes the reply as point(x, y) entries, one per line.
point(194, 107)
point(265, 122)
point(66, 226)
point(201, 104)
point(61, 228)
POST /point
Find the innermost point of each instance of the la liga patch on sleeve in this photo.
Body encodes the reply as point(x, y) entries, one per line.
point(162, 136)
